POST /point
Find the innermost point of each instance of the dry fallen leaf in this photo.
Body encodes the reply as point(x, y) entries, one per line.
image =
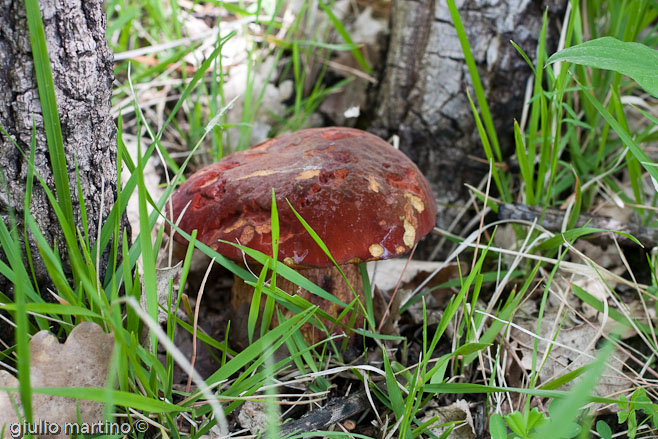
point(252, 416)
point(459, 414)
point(163, 276)
point(7, 401)
point(574, 347)
point(82, 361)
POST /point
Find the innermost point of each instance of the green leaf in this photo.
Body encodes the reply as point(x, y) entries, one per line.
point(457, 388)
point(564, 379)
point(535, 419)
point(604, 430)
point(149, 280)
point(497, 427)
point(636, 60)
point(12, 251)
point(288, 273)
point(442, 363)
point(517, 423)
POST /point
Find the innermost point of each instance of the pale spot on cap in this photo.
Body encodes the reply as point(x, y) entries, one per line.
point(264, 228)
point(248, 234)
point(373, 185)
point(416, 202)
point(239, 223)
point(376, 250)
point(309, 173)
point(259, 173)
point(409, 236)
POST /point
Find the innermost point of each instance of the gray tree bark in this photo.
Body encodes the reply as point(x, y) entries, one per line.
point(82, 67)
point(422, 95)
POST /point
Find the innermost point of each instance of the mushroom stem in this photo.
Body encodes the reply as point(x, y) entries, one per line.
point(328, 279)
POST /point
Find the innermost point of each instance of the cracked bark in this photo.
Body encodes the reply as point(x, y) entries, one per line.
point(82, 71)
point(422, 94)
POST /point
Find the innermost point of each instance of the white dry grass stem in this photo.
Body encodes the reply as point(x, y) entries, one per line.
point(197, 307)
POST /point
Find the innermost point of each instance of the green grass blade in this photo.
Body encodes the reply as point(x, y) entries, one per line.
point(394, 392)
point(623, 134)
point(502, 189)
point(612, 312)
point(459, 388)
point(538, 103)
point(527, 169)
point(475, 77)
point(568, 409)
point(27, 201)
point(121, 398)
point(289, 274)
point(51, 308)
point(345, 36)
point(251, 357)
point(268, 311)
point(367, 290)
point(51, 121)
point(254, 307)
point(11, 249)
point(150, 289)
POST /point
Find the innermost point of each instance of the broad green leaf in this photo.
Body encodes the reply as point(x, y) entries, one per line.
point(603, 429)
point(497, 427)
point(516, 422)
point(636, 60)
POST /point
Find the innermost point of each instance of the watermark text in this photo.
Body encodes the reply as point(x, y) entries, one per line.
point(42, 428)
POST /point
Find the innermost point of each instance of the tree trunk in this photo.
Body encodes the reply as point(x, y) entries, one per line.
point(82, 70)
point(422, 95)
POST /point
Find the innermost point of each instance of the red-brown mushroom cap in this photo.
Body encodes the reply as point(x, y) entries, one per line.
point(365, 199)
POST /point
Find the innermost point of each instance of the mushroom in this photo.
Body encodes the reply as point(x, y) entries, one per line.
point(365, 199)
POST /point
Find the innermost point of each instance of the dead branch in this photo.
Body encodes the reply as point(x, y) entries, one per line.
point(338, 409)
point(552, 219)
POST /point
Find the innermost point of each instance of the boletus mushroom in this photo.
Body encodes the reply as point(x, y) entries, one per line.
point(365, 199)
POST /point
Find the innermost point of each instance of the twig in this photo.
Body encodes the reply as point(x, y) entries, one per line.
point(551, 219)
point(395, 291)
point(195, 325)
point(336, 410)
